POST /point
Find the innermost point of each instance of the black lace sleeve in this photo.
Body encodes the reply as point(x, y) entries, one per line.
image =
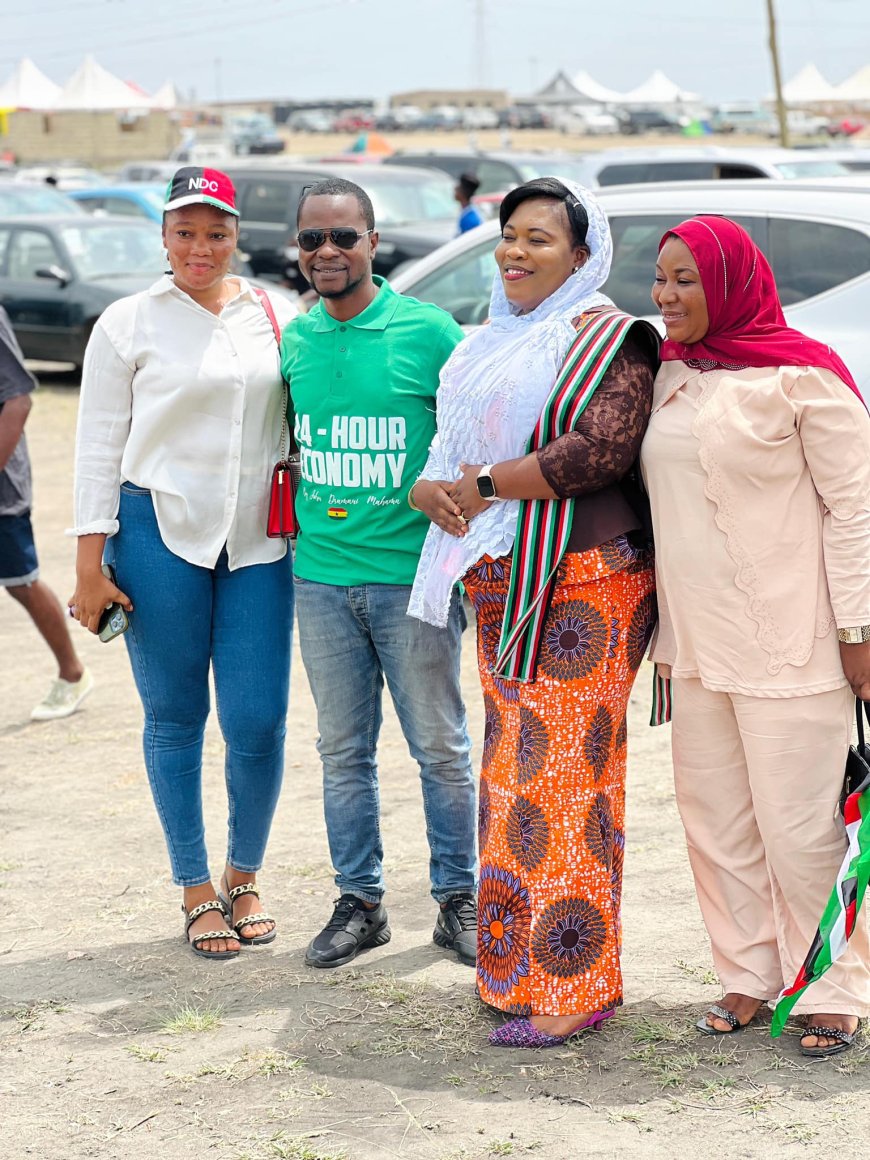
point(608, 435)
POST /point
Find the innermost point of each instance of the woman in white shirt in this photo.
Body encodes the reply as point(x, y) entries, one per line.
point(179, 427)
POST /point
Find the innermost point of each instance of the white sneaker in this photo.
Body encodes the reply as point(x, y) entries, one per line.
point(63, 698)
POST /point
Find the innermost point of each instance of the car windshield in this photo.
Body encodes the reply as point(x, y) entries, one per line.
point(154, 197)
point(791, 169)
point(554, 167)
point(398, 202)
point(25, 200)
point(114, 251)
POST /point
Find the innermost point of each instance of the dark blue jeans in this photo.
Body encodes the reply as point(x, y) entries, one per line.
point(185, 620)
point(351, 640)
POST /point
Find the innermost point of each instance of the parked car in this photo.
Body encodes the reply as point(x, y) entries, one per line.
point(18, 198)
point(703, 163)
point(635, 121)
point(135, 171)
point(854, 158)
point(63, 175)
point(586, 121)
point(253, 133)
point(802, 124)
point(58, 274)
point(498, 170)
point(743, 117)
point(138, 200)
point(414, 210)
point(815, 234)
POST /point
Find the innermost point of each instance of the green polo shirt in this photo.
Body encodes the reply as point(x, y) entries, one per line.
point(362, 403)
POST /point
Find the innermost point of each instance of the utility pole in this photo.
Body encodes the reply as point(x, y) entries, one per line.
point(781, 112)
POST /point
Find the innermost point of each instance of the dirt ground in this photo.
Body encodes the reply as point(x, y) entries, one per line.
point(116, 1042)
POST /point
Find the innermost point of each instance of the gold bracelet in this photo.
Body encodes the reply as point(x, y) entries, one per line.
point(411, 503)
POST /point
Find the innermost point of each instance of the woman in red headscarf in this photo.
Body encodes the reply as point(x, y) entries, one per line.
point(757, 461)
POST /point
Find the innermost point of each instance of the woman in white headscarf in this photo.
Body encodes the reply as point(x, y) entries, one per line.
point(530, 489)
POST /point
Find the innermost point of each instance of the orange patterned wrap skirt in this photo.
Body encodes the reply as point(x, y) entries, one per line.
point(552, 785)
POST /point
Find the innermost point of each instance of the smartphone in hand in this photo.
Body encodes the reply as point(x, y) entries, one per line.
point(114, 620)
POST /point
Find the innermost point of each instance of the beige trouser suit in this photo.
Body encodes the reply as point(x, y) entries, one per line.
point(760, 488)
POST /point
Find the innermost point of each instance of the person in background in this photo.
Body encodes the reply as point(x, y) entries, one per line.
point(179, 429)
point(363, 370)
point(19, 569)
point(555, 685)
point(466, 187)
point(757, 461)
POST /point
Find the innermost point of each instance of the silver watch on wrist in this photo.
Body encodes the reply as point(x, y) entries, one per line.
point(858, 635)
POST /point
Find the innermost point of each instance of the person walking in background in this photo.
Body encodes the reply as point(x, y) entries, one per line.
point(19, 568)
point(179, 428)
point(363, 371)
point(466, 187)
point(551, 550)
point(757, 461)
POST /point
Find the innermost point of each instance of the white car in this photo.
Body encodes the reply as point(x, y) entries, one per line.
point(816, 236)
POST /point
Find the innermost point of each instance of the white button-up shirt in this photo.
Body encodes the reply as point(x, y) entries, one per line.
point(187, 404)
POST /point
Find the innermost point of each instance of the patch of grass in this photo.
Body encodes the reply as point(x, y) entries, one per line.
point(714, 1089)
point(629, 1118)
point(500, 1148)
point(665, 1068)
point(148, 1054)
point(454, 1080)
point(693, 971)
point(284, 1147)
point(29, 1015)
point(191, 1019)
point(646, 1029)
point(277, 1063)
point(488, 1082)
point(6, 867)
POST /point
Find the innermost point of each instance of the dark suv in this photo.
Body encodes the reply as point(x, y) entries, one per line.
point(414, 212)
point(649, 121)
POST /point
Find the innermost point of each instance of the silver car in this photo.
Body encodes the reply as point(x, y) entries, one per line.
point(815, 235)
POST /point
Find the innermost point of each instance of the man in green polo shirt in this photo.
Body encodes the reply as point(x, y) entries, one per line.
point(363, 369)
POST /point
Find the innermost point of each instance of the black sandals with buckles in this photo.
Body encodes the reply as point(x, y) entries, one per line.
point(227, 900)
point(190, 917)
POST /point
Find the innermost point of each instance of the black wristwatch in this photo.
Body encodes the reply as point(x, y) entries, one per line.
point(485, 483)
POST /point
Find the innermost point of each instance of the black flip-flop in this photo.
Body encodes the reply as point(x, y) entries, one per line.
point(720, 1013)
point(845, 1039)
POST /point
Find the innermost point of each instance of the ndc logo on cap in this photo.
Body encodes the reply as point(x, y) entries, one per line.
point(203, 183)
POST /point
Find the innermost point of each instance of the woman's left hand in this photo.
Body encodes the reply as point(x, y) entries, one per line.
point(464, 491)
point(856, 665)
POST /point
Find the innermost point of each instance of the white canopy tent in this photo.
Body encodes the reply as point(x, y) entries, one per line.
point(591, 89)
point(29, 88)
point(166, 97)
point(809, 87)
point(856, 88)
point(659, 90)
point(93, 87)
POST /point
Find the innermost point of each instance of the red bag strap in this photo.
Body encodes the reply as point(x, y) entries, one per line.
point(270, 313)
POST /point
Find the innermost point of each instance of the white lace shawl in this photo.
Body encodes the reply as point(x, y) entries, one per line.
point(492, 391)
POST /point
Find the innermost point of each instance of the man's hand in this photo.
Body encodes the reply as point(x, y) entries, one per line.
point(856, 666)
point(432, 497)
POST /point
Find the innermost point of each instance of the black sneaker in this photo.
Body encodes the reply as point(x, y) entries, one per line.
point(456, 928)
point(351, 929)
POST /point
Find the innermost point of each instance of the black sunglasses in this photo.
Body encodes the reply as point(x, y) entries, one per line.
point(345, 239)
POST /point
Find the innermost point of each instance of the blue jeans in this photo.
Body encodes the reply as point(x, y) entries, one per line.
point(351, 640)
point(185, 619)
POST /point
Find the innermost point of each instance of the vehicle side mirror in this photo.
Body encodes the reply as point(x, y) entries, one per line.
point(56, 273)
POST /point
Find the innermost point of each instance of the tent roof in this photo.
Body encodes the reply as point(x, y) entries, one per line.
point(93, 87)
point(658, 89)
point(808, 86)
point(29, 88)
point(166, 97)
point(856, 87)
point(590, 88)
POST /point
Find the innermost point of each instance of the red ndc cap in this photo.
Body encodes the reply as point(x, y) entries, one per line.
point(194, 185)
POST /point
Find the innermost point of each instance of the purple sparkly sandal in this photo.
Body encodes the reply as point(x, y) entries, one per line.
point(523, 1033)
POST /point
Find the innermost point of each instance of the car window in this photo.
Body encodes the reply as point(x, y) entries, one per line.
point(91, 204)
point(114, 250)
point(16, 201)
point(494, 175)
point(29, 251)
point(820, 168)
point(266, 201)
point(397, 201)
point(635, 249)
point(4, 245)
point(633, 172)
point(462, 286)
point(811, 257)
point(123, 205)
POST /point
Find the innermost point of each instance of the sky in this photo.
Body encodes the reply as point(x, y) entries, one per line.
point(315, 49)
